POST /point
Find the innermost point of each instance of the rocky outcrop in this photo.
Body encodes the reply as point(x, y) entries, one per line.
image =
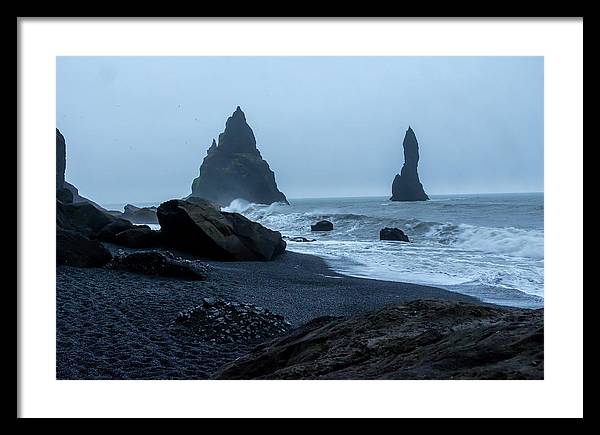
point(393, 234)
point(65, 191)
point(322, 226)
point(201, 229)
point(86, 220)
point(234, 168)
point(78, 199)
point(73, 249)
point(140, 236)
point(64, 195)
point(61, 160)
point(82, 218)
point(160, 264)
point(140, 215)
point(406, 185)
point(431, 339)
point(108, 233)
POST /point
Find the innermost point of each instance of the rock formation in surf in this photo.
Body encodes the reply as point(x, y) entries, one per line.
point(406, 185)
point(393, 234)
point(233, 168)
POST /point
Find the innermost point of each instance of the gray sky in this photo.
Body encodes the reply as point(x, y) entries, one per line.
point(137, 128)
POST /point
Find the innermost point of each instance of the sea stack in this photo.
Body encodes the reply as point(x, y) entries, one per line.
point(233, 168)
point(406, 185)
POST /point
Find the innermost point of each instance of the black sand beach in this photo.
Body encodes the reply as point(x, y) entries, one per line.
point(119, 325)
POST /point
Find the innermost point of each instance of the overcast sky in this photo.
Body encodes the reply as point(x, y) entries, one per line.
point(137, 128)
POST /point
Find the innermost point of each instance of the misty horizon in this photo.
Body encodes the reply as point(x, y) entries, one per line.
point(138, 128)
point(292, 199)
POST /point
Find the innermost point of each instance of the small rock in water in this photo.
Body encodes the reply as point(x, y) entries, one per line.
point(299, 239)
point(323, 225)
point(393, 234)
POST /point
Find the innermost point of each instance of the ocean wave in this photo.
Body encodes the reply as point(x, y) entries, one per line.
point(450, 268)
point(509, 241)
point(242, 206)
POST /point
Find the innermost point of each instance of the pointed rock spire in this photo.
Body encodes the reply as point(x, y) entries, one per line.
point(234, 168)
point(213, 147)
point(238, 137)
point(406, 185)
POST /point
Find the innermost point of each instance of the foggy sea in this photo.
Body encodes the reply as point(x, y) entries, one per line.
point(490, 246)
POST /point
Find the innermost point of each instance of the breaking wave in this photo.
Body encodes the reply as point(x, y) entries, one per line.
point(508, 241)
point(489, 250)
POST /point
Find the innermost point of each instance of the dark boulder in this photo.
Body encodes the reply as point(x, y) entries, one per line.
point(393, 234)
point(87, 220)
point(234, 168)
point(406, 185)
point(73, 249)
point(199, 228)
point(421, 339)
point(82, 218)
point(140, 236)
point(264, 243)
point(109, 232)
point(322, 226)
point(159, 264)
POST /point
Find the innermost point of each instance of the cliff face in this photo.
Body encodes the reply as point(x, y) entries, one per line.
point(233, 168)
point(61, 160)
point(406, 185)
point(65, 191)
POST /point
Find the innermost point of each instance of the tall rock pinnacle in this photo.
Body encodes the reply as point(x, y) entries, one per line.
point(65, 191)
point(233, 168)
point(406, 185)
point(61, 160)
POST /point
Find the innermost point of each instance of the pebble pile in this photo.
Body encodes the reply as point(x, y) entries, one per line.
point(220, 321)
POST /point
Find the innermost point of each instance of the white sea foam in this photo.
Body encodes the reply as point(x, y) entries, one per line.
point(491, 247)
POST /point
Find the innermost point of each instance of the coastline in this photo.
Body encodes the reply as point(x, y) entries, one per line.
point(115, 324)
point(303, 286)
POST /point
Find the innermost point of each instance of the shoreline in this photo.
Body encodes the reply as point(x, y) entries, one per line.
point(113, 324)
point(308, 275)
point(313, 288)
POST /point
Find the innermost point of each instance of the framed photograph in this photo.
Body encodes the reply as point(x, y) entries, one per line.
point(350, 209)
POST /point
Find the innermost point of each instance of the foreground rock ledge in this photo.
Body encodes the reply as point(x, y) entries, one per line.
point(425, 339)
